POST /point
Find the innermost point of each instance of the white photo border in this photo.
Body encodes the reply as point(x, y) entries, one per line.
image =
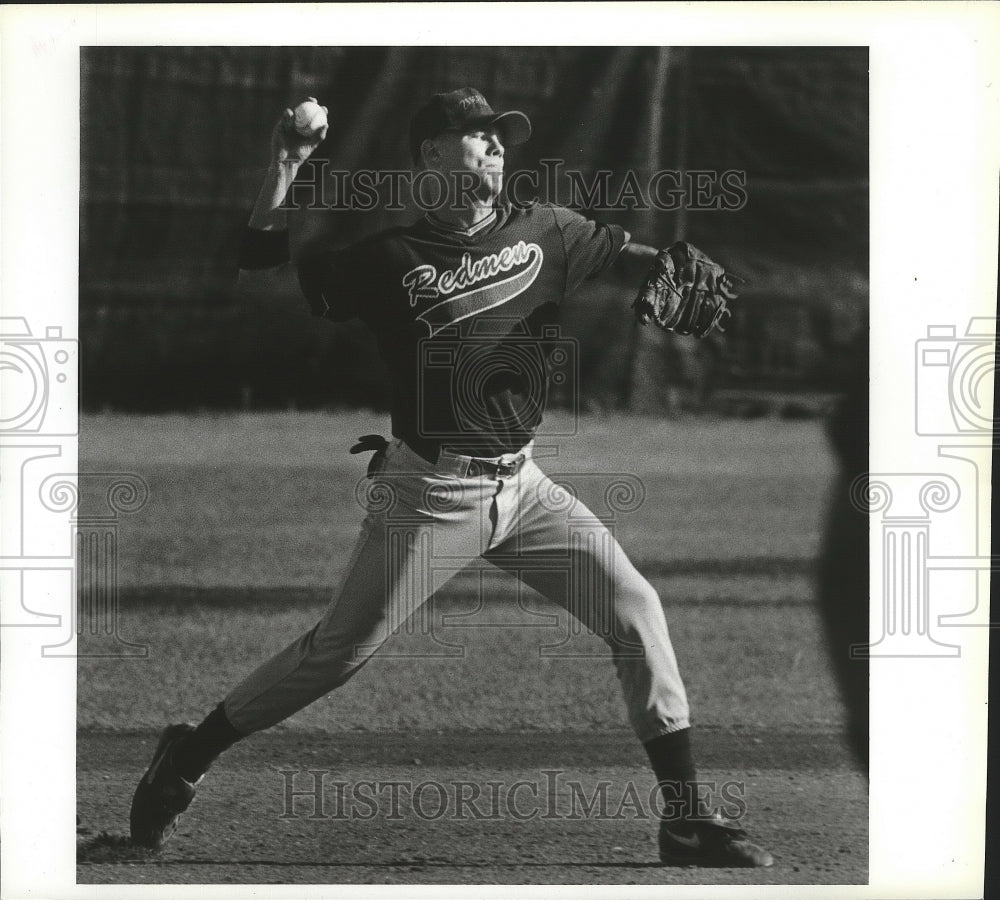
point(935, 158)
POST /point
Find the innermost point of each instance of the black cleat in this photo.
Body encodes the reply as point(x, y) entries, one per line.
point(712, 843)
point(162, 795)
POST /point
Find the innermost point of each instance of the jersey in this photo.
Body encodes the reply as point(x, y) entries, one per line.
point(467, 322)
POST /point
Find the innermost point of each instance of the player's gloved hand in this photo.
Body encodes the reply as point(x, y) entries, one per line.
point(288, 145)
point(686, 292)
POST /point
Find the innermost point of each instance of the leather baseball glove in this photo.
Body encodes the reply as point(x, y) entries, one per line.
point(686, 292)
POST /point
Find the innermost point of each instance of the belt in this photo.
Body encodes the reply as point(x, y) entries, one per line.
point(489, 468)
point(505, 466)
point(465, 466)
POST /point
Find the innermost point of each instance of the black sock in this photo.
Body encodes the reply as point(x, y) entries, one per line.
point(193, 755)
point(670, 756)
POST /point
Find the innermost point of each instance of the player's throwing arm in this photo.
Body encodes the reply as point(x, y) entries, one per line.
point(295, 136)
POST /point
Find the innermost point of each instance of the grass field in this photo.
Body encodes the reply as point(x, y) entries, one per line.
point(247, 529)
point(270, 500)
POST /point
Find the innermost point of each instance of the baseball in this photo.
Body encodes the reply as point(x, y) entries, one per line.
point(310, 117)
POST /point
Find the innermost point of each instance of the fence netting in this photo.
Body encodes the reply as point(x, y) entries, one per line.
point(174, 143)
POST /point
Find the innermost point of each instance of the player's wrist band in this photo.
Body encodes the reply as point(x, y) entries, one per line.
point(264, 249)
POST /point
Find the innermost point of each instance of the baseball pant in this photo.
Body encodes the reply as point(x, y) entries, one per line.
point(424, 522)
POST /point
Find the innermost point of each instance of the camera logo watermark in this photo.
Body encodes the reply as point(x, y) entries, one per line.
point(456, 370)
point(59, 546)
point(38, 380)
point(954, 379)
point(929, 577)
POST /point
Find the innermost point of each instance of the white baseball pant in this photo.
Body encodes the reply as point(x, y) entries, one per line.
point(419, 513)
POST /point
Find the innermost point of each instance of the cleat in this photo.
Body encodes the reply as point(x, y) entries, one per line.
point(162, 795)
point(712, 843)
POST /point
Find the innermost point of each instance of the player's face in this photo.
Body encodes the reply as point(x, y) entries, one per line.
point(479, 151)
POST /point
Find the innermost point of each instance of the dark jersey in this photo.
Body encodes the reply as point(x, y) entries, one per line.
point(467, 323)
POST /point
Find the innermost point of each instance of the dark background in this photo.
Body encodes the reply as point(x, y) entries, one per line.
point(175, 144)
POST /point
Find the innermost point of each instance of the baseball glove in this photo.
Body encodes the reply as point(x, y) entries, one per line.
point(685, 292)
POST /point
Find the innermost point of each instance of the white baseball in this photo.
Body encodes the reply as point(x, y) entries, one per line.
point(310, 117)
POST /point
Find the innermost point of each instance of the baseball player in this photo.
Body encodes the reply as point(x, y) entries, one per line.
point(453, 300)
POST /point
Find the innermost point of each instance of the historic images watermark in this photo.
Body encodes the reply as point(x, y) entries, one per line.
point(601, 191)
point(934, 565)
point(59, 560)
point(319, 794)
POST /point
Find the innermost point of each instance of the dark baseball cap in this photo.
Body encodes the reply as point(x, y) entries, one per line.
point(462, 110)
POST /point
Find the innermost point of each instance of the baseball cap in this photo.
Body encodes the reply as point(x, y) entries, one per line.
point(460, 110)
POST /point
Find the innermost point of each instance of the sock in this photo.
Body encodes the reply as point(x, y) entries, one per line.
point(670, 756)
point(193, 755)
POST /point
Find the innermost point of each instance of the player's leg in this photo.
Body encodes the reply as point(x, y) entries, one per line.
point(414, 516)
point(560, 548)
point(553, 543)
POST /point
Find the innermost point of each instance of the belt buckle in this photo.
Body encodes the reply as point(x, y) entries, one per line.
point(479, 467)
point(506, 470)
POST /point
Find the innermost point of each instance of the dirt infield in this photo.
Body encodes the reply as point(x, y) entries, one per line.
point(804, 801)
point(500, 725)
